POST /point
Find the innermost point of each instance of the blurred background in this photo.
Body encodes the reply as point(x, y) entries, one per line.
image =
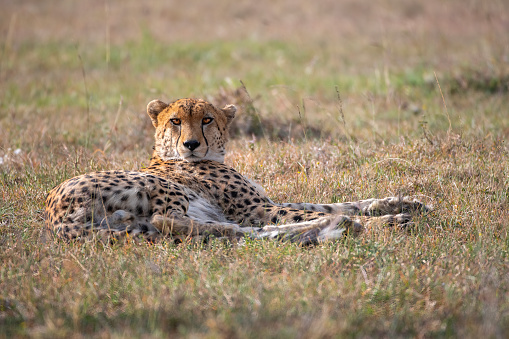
point(79, 72)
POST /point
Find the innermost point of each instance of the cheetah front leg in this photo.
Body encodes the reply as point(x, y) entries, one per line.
point(312, 232)
point(330, 228)
point(369, 207)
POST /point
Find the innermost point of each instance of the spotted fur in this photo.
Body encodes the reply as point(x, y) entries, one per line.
point(187, 191)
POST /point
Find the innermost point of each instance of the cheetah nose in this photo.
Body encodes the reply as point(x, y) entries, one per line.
point(191, 144)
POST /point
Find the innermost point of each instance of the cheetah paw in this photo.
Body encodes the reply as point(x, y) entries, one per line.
point(393, 206)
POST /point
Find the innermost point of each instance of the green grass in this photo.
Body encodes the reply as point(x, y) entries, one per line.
point(70, 106)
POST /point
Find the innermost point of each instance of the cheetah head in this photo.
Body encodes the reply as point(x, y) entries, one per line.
point(190, 129)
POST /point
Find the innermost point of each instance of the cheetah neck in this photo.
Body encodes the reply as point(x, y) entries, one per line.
point(155, 159)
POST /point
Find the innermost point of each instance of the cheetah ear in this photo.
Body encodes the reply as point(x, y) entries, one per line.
point(229, 111)
point(154, 108)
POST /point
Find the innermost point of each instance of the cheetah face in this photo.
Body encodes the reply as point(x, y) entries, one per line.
point(190, 129)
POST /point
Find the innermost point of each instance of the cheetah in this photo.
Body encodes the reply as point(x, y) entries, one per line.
point(188, 192)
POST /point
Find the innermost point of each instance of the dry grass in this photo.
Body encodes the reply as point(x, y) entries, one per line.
point(75, 78)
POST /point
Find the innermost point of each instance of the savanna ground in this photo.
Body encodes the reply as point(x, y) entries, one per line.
point(338, 101)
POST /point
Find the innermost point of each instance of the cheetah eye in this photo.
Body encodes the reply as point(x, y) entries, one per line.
point(175, 121)
point(207, 121)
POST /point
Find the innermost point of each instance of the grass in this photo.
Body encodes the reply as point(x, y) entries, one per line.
point(69, 106)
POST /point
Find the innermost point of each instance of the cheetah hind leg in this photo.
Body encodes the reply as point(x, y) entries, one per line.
point(180, 227)
point(304, 233)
